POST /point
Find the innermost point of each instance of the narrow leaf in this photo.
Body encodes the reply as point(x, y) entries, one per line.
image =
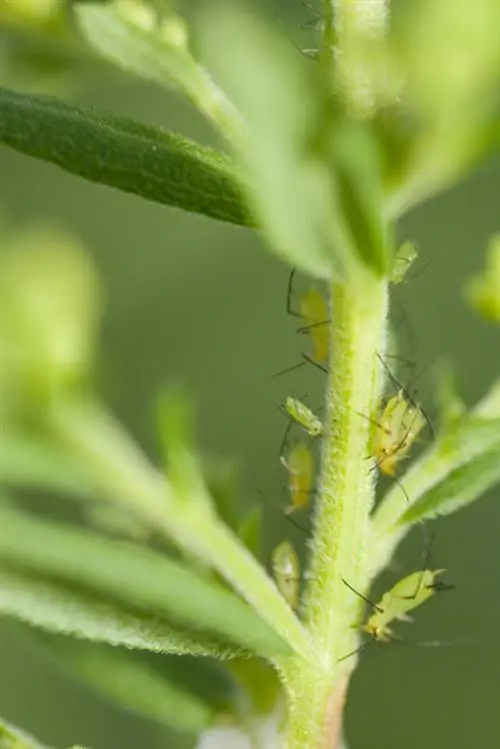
point(135, 576)
point(14, 738)
point(121, 153)
point(66, 610)
point(129, 682)
point(459, 488)
point(26, 461)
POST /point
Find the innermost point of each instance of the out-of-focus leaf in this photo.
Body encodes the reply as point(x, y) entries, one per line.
point(313, 177)
point(221, 477)
point(250, 530)
point(14, 738)
point(47, 14)
point(459, 488)
point(50, 307)
point(126, 680)
point(29, 461)
point(451, 63)
point(176, 427)
point(356, 160)
point(451, 405)
point(139, 578)
point(483, 292)
point(124, 154)
point(153, 45)
point(62, 608)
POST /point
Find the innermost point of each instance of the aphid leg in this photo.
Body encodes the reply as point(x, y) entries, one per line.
point(289, 369)
point(314, 363)
point(284, 441)
point(400, 484)
point(426, 555)
point(307, 328)
point(410, 398)
point(295, 523)
point(409, 330)
point(358, 650)
point(364, 598)
point(403, 359)
point(289, 296)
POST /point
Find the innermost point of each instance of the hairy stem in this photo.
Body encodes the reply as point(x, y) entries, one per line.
point(341, 525)
point(351, 28)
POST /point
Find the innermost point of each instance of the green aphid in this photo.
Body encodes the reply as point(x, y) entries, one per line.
point(304, 416)
point(286, 570)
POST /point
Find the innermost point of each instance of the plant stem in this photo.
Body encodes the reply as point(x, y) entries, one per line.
point(350, 29)
point(341, 526)
point(124, 475)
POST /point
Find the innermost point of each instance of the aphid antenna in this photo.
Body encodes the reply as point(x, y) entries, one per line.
point(289, 369)
point(364, 598)
point(439, 586)
point(433, 643)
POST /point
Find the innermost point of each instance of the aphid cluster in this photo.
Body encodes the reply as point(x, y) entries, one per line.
point(397, 424)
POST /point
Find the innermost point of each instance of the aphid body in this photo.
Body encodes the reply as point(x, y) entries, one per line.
point(300, 466)
point(286, 570)
point(313, 310)
point(409, 593)
point(398, 427)
point(303, 415)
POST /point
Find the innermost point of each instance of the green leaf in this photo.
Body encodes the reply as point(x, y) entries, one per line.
point(250, 530)
point(60, 608)
point(460, 487)
point(29, 461)
point(483, 291)
point(154, 45)
point(121, 153)
point(14, 738)
point(123, 678)
point(357, 162)
point(314, 178)
point(138, 577)
point(176, 427)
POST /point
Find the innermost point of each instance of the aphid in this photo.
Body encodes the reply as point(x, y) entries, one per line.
point(398, 427)
point(407, 254)
point(300, 466)
point(286, 571)
point(303, 415)
point(409, 593)
point(313, 311)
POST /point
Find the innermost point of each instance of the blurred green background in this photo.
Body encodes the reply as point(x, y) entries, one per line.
point(201, 302)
